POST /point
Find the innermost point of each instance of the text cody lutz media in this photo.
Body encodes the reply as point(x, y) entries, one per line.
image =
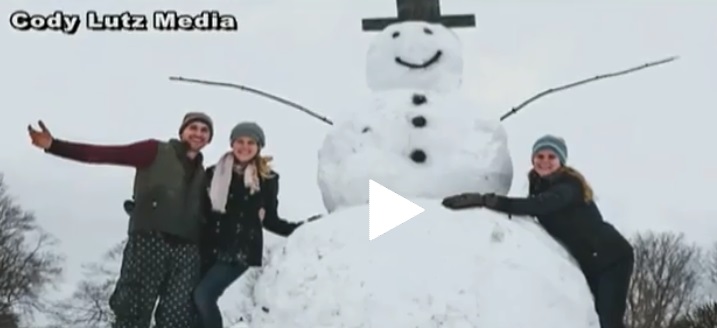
point(161, 20)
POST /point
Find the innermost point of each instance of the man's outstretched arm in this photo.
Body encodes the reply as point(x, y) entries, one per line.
point(139, 154)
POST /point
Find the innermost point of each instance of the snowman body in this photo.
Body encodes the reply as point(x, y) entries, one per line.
point(431, 150)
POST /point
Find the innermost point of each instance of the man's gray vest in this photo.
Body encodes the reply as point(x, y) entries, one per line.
point(167, 199)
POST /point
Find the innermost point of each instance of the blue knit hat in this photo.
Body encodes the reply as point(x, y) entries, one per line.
point(554, 143)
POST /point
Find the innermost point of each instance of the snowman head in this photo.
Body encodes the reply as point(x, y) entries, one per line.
point(415, 55)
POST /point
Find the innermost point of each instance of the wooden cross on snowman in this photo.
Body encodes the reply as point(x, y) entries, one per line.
point(419, 10)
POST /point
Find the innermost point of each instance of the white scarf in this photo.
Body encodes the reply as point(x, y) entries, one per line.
point(219, 186)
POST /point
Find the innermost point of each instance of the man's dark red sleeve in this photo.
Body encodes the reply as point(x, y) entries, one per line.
point(139, 154)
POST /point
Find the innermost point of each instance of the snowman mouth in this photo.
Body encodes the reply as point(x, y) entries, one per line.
point(425, 64)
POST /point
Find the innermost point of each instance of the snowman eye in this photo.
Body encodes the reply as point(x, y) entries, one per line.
point(395, 34)
point(427, 31)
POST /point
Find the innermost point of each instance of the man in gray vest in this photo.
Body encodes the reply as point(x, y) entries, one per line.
point(161, 258)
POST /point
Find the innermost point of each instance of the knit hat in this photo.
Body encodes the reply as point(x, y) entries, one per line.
point(248, 129)
point(192, 117)
point(554, 143)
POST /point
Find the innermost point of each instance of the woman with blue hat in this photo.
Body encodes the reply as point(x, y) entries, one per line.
point(562, 201)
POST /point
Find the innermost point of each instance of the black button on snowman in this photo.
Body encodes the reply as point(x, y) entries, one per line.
point(418, 99)
point(418, 156)
point(419, 121)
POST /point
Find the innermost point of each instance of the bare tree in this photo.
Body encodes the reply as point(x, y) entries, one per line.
point(9, 320)
point(28, 265)
point(712, 264)
point(664, 281)
point(703, 316)
point(88, 307)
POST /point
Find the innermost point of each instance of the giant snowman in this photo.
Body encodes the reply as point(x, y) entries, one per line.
point(457, 269)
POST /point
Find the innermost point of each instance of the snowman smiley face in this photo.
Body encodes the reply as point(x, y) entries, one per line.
point(415, 55)
point(425, 64)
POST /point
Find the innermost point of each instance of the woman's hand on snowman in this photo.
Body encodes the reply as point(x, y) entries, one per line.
point(491, 200)
point(310, 219)
point(314, 218)
point(463, 201)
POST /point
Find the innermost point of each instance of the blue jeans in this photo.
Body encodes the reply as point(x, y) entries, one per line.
point(213, 284)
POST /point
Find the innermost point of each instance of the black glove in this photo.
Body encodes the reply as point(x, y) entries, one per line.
point(314, 218)
point(462, 201)
point(491, 200)
point(128, 206)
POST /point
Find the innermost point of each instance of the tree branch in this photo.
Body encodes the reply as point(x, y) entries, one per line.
point(502, 118)
point(26, 269)
point(255, 91)
point(585, 81)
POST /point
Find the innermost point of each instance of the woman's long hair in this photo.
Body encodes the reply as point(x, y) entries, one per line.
point(263, 166)
point(588, 194)
point(260, 171)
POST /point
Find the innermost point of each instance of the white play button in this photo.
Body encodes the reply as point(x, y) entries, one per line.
point(387, 210)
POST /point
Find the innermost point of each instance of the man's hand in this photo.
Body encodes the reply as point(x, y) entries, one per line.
point(462, 201)
point(41, 139)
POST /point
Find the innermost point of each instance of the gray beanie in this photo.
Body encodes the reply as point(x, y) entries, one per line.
point(251, 130)
point(554, 143)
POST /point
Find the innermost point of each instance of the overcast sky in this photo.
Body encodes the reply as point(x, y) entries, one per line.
point(645, 141)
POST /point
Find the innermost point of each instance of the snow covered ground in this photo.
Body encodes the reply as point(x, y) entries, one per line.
point(472, 268)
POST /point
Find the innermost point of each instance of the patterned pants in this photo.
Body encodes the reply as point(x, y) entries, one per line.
point(153, 268)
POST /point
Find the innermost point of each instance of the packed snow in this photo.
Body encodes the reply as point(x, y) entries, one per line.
point(415, 55)
point(471, 268)
point(441, 147)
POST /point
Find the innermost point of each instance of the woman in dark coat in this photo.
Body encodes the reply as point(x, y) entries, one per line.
point(562, 201)
point(242, 200)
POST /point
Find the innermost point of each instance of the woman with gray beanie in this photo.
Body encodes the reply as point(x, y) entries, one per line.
point(562, 201)
point(241, 201)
